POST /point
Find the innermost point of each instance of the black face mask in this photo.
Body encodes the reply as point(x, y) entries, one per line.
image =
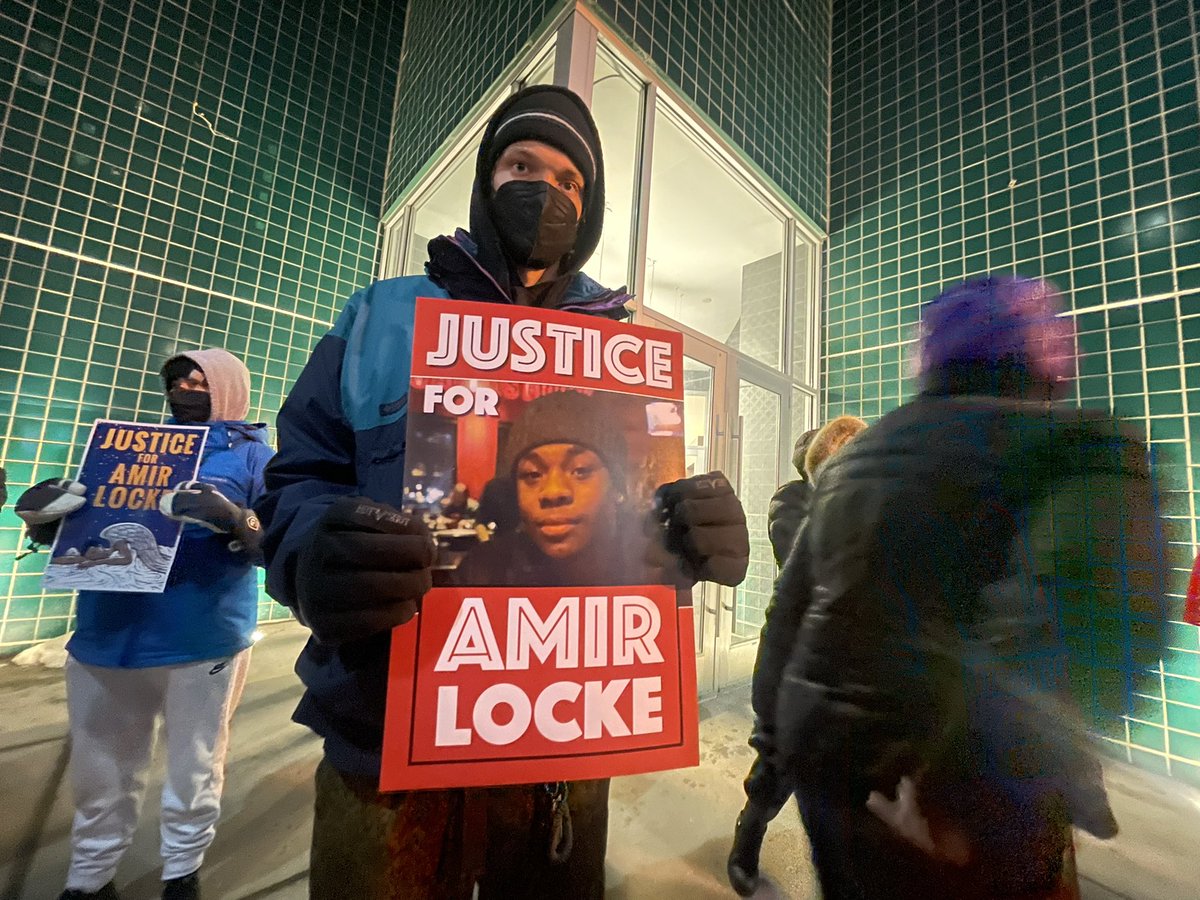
point(189, 407)
point(536, 223)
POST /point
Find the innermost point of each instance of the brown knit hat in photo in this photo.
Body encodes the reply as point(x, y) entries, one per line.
point(567, 417)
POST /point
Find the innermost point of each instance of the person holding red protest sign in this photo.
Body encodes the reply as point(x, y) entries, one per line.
point(951, 549)
point(353, 566)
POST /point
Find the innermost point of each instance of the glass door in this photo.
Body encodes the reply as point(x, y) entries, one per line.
point(706, 418)
point(754, 468)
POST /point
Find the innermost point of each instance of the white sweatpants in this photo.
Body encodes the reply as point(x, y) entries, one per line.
point(114, 717)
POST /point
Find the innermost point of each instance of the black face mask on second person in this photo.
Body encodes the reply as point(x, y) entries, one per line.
point(189, 407)
point(536, 223)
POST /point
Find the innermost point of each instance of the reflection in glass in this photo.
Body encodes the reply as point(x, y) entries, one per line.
point(803, 311)
point(697, 416)
point(543, 72)
point(445, 208)
point(617, 109)
point(714, 250)
point(758, 477)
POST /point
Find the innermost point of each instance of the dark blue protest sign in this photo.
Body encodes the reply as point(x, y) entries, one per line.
point(119, 541)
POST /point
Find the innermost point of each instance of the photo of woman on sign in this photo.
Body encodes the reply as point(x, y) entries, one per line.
point(566, 459)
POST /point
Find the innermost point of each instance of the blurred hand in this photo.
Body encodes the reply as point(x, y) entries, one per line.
point(903, 815)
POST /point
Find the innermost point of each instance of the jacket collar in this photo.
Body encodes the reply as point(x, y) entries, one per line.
point(454, 265)
point(227, 434)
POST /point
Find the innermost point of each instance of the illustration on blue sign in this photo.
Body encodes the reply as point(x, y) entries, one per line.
point(119, 541)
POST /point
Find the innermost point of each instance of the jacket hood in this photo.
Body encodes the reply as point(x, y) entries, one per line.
point(228, 382)
point(829, 440)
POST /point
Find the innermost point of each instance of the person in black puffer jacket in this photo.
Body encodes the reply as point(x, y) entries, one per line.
point(766, 790)
point(947, 550)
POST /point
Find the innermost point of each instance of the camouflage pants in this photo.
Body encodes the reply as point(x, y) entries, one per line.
point(437, 845)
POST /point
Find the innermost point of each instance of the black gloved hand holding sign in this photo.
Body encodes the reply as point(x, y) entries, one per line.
point(198, 503)
point(363, 570)
point(703, 525)
point(43, 505)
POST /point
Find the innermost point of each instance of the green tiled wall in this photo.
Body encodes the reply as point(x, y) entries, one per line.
point(757, 68)
point(1050, 138)
point(172, 174)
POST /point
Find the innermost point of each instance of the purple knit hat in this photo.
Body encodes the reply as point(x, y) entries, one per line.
point(1000, 318)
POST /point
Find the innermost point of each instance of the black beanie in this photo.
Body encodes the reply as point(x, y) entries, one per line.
point(566, 417)
point(558, 117)
point(554, 116)
point(175, 368)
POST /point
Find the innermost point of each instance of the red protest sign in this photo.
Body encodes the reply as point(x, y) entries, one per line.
point(552, 647)
point(507, 686)
point(1191, 609)
point(460, 339)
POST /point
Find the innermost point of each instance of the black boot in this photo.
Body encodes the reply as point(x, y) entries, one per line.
point(186, 887)
point(748, 836)
point(108, 892)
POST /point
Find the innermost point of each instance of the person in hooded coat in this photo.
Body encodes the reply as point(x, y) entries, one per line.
point(948, 548)
point(766, 789)
point(789, 504)
point(182, 654)
point(352, 566)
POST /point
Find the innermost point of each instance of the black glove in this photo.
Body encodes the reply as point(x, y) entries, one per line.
point(704, 526)
point(43, 505)
point(3, 487)
point(362, 571)
point(198, 503)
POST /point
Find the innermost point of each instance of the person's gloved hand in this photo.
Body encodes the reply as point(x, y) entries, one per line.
point(363, 570)
point(703, 525)
point(43, 505)
point(198, 503)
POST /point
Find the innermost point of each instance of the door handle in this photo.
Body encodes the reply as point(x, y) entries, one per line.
point(737, 455)
point(728, 607)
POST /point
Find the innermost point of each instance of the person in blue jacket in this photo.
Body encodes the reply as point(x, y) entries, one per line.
point(182, 654)
point(352, 566)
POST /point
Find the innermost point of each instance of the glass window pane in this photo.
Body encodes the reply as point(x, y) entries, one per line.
point(543, 72)
point(445, 208)
point(804, 303)
point(617, 109)
point(714, 249)
point(758, 476)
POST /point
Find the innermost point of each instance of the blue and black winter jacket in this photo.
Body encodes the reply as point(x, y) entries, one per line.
point(342, 432)
point(210, 606)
